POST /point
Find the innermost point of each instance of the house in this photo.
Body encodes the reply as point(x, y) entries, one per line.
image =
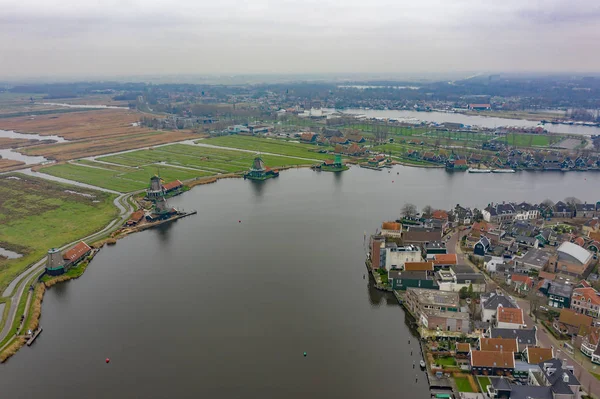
point(420, 235)
point(526, 211)
point(463, 349)
point(462, 215)
point(401, 280)
point(585, 210)
point(547, 380)
point(527, 242)
point(520, 282)
point(562, 210)
point(355, 137)
point(441, 260)
point(436, 310)
point(559, 294)
point(569, 322)
point(591, 226)
point(377, 251)
point(525, 337)
point(480, 107)
point(586, 300)
point(499, 344)
point(458, 164)
point(458, 277)
point(395, 256)
point(499, 213)
point(378, 161)
point(490, 304)
point(572, 259)
point(534, 259)
point(57, 264)
point(435, 248)
point(173, 186)
point(391, 229)
point(308, 137)
point(492, 363)
point(589, 343)
point(440, 215)
point(135, 218)
point(546, 237)
point(482, 246)
point(419, 267)
point(338, 140)
point(536, 355)
point(482, 227)
point(76, 253)
point(510, 318)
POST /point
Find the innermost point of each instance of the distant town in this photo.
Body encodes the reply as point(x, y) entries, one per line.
point(505, 298)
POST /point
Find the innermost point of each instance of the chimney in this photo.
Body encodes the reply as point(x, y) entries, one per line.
point(564, 364)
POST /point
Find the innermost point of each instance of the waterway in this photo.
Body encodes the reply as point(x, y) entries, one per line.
point(96, 106)
point(9, 254)
point(211, 307)
point(28, 159)
point(472, 120)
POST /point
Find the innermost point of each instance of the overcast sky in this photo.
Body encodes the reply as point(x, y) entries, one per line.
point(137, 37)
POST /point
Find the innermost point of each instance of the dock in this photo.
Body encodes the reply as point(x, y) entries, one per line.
point(34, 336)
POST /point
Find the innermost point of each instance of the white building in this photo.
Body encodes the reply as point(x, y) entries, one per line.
point(491, 303)
point(396, 257)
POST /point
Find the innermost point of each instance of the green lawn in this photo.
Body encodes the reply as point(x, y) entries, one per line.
point(484, 382)
point(463, 384)
point(445, 361)
point(530, 140)
point(131, 180)
point(36, 215)
point(274, 146)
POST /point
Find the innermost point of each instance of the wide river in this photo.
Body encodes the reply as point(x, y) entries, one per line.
point(211, 307)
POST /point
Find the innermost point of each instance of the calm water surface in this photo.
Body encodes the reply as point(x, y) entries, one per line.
point(210, 307)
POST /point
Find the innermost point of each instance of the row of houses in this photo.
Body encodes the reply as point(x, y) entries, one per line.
point(508, 212)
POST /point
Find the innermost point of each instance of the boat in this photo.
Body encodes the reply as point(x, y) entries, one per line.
point(503, 171)
point(475, 170)
point(422, 364)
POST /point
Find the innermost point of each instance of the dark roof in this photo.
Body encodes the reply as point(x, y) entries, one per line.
point(563, 290)
point(414, 275)
point(461, 278)
point(394, 273)
point(556, 374)
point(526, 240)
point(535, 257)
point(435, 245)
point(484, 241)
point(500, 384)
point(529, 392)
point(494, 300)
point(462, 269)
point(585, 207)
point(524, 336)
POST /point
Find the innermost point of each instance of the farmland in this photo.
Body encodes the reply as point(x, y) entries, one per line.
point(269, 145)
point(36, 214)
point(530, 140)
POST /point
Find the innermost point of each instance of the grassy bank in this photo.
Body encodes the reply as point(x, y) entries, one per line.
point(36, 215)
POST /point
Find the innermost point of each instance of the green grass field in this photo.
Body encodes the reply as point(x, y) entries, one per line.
point(530, 140)
point(463, 385)
point(123, 181)
point(370, 128)
point(445, 361)
point(484, 382)
point(36, 215)
point(274, 146)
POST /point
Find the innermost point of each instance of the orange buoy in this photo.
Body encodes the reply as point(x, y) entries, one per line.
point(107, 360)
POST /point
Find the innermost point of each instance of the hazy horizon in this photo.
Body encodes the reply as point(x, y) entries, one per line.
point(74, 40)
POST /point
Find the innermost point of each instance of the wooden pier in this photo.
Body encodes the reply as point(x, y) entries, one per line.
point(34, 336)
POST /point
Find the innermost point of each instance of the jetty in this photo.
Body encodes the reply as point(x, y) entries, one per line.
point(33, 336)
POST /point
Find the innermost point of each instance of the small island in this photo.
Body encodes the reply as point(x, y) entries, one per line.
point(335, 165)
point(259, 171)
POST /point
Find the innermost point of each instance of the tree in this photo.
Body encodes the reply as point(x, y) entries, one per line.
point(470, 290)
point(463, 293)
point(572, 201)
point(547, 203)
point(427, 211)
point(409, 210)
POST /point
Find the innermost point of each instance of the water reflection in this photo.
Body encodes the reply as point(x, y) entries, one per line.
point(258, 187)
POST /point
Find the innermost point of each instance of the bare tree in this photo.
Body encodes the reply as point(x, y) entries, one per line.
point(547, 203)
point(380, 134)
point(427, 211)
point(409, 210)
point(572, 201)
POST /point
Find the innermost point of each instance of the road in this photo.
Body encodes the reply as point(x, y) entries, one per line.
point(588, 382)
point(18, 286)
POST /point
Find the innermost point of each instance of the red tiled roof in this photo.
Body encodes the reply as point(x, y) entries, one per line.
point(521, 278)
point(77, 252)
point(481, 226)
point(328, 162)
point(460, 162)
point(579, 241)
point(510, 315)
point(594, 235)
point(172, 185)
point(547, 276)
point(439, 214)
point(537, 355)
point(307, 136)
point(418, 266)
point(572, 318)
point(136, 216)
point(391, 226)
point(444, 259)
point(586, 293)
point(463, 347)
point(499, 344)
point(492, 359)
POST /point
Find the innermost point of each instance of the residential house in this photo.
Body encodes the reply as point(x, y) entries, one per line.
point(308, 137)
point(377, 251)
point(527, 242)
point(546, 237)
point(569, 322)
point(559, 294)
point(499, 344)
point(571, 259)
point(481, 228)
point(434, 248)
point(534, 259)
point(419, 267)
point(586, 300)
point(76, 254)
point(437, 310)
point(591, 226)
point(355, 137)
point(462, 215)
point(482, 246)
point(499, 213)
point(458, 277)
point(526, 211)
point(492, 363)
point(510, 318)
point(420, 235)
point(521, 283)
point(490, 304)
point(536, 355)
point(391, 229)
point(463, 349)
point(395, 256)
point(444, 260)
point(135, 218)
point(589, 343)
point(562, 210)
point(401, 280)
point(525, 337)
point(585, 210)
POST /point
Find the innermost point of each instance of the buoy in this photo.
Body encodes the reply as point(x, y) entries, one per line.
point(392, 181)
point(107, 360)
point(239, 221)
point(304, 354)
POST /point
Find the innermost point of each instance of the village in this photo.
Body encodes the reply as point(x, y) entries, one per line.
point(505, 299)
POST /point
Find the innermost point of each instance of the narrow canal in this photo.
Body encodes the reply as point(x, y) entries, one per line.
point(223, 304)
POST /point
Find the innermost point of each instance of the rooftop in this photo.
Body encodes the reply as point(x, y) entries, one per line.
point(499, 344)
point(418, 266)
point(495, 300)
point(435, 297)
point(572, 318)
point(444, 259)
point(574, 252)
point(463, 347)
point(77, 251)
point(510, 315)
point(559, 289)
point(537, 355)
point(492, 359)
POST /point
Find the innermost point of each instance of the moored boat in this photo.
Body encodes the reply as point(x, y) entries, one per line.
point(422, 364)
point(475, 170)
point(503, 171)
